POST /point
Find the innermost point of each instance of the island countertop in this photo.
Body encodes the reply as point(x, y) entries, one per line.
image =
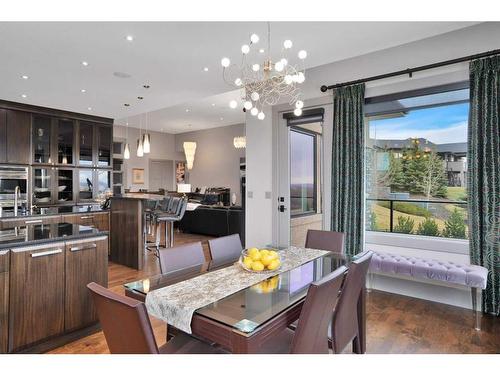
point(52, 211)
point(139, 196)
point(45, 233)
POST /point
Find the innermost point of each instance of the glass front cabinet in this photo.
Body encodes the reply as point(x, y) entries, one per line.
point(52, 185)
point(53, 140)
point(93, 183)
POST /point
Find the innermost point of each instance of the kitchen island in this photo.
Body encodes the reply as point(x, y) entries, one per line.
point(44, 270)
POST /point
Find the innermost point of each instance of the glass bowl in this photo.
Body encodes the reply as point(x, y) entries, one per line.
point(244, 253)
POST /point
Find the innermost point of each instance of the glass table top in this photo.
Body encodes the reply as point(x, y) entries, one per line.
point(248, 309)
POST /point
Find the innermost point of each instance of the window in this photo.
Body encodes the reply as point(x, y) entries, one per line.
point(416, 163)
point(303, 171)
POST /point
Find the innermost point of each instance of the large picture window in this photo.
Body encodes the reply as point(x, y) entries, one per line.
point(416, 167)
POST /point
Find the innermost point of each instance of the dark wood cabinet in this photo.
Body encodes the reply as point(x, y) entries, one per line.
point(86, 261)
point(53, 185)
point(94, 145)
point(12, 222)
point(92, 182)
point(4, 300)
point(53, 140)
point(37, 282)
point(99, 220)
point(14, 137)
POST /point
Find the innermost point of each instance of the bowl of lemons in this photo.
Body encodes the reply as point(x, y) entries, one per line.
point(260, 260)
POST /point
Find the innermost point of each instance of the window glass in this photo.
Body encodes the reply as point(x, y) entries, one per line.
point(302, 172)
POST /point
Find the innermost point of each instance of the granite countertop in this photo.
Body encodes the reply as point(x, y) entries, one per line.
point(49, 211)
point(45, 233)
point(138, 196)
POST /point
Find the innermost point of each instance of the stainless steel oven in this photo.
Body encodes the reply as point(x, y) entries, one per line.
point(13, 179)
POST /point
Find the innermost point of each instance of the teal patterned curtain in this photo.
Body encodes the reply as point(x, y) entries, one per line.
point(348, 165)
point(484, 174)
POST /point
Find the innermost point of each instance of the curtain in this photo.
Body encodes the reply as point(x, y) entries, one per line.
point(348, 165)
point(484, 175)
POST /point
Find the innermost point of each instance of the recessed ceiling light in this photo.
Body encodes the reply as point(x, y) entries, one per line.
point(24, 77)
point(205, 69)
point(187, 109)
point(213, 104)
point(83, 90)
point(261, 50)
point(130, 38)
point(24, 96)
point(85, 63)
point(89, 108)
point(140, 97)
point(222, 118)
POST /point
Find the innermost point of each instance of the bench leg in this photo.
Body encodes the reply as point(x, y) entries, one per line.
point(477, 314)
point(370, 282)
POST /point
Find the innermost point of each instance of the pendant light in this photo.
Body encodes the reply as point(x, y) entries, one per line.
point(126, 151)
point(189, 151)
point(140, 149)
point(147, 139)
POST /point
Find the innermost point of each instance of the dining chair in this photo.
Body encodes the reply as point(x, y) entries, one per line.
point(311, 334)
point(344, 326)
point(325, 240)
point(127, 328)
point(179, 257)
point(225, 247)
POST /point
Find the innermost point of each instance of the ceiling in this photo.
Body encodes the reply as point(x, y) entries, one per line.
point(170, 57)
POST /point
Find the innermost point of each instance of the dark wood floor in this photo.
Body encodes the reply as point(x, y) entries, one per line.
point(395, 324)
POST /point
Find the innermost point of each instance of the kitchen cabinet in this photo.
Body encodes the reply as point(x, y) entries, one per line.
point(86, 262)
point(53, 140)
point(36, 303)
point(4, 299)
point(99, 220)
point(14, 137)
point(93, 182)
point(94, 145)
point(53, 185)
point(41, 138)
point(12, 222)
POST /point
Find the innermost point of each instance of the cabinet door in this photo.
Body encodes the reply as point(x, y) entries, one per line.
point(103, 181)
point(65, 141)
point(104, 145)
point(65, 179)
point(86, 262)
point(11, 223)
point(85, 185)
point(36, 294)
point(18, 137)
point(42, 185)
point(4, 300)
point(42, 139)
point(86, 144)
point(3, 136)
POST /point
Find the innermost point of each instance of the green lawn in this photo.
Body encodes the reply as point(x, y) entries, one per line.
point(456, 193)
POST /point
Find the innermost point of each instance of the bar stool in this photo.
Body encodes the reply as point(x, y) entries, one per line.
point(149, 206)
point(174, 214)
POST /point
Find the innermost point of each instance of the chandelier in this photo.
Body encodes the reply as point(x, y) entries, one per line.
point(240, 142)
point(262, 81)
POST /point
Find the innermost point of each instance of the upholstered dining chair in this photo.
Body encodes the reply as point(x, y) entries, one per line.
point(344, 327)
point(183, 256)
point(127, 328)
point(325, 240)
point(225, 247)
point(311, 334)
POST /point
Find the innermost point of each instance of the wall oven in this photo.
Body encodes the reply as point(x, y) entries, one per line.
point(10, 178)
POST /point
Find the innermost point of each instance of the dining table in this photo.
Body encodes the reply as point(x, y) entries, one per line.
point(242, 321)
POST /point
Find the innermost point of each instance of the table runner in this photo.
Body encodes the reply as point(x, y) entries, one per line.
point(176, 304)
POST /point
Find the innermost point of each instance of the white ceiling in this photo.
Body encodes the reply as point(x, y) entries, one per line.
point(170, 57)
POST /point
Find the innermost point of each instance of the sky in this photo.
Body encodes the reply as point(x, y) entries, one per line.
point(445, 124)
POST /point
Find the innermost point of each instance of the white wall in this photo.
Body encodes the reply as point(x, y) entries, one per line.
point(217, 161)
point(162, 147)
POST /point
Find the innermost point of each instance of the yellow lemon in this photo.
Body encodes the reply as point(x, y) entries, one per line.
point(247, 261)
point(273, 265)
point(274, 254)
point(266, 259)
point(255, 256)
point(257, 266)
point(253, 250)
point(264, 252)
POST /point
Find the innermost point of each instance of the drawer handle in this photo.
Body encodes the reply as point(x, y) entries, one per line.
point(86, 217)
point(88, 247)
point(33, 221)
point(44, 253)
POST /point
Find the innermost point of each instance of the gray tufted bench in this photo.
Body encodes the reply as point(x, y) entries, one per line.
point(474, 277)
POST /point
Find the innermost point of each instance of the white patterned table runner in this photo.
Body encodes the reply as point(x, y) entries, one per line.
point(175, 304)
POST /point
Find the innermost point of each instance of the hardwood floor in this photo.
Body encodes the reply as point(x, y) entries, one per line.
point(395, 324)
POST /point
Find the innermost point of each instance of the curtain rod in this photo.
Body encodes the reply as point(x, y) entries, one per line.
point(410, 71)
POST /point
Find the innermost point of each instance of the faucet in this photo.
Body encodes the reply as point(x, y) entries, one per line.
point(17, 193)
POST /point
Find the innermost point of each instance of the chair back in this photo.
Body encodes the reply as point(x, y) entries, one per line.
point(345, 317)
point(150, 204)
point(182, 208)
point(124, 321)
point(179, 257)
point(311, 335)
point(174, 205)
point(225, 247)
point(325, 240)
point(165, 203)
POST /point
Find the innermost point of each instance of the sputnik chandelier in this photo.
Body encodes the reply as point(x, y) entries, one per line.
point(262, 81)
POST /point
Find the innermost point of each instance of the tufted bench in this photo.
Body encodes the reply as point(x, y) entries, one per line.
point(474, 277)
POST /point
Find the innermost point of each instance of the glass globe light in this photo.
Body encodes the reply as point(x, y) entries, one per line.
point(255, 96)
point(299, 104)
point(248, 105)
point(287, 44)
point(245, 48)
point(279, 66)
point(297, 111)
point(261, 115)
point(284, 61)
point(295, 78)
point(254, 38)
point(233, 104)
point(254, 111)
point(225, 62)
point(238, 82)
point(301, 77)
point(288, 79)
point(302, 54)
point(255, 67)
point(126, 152)
point(140, 150)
